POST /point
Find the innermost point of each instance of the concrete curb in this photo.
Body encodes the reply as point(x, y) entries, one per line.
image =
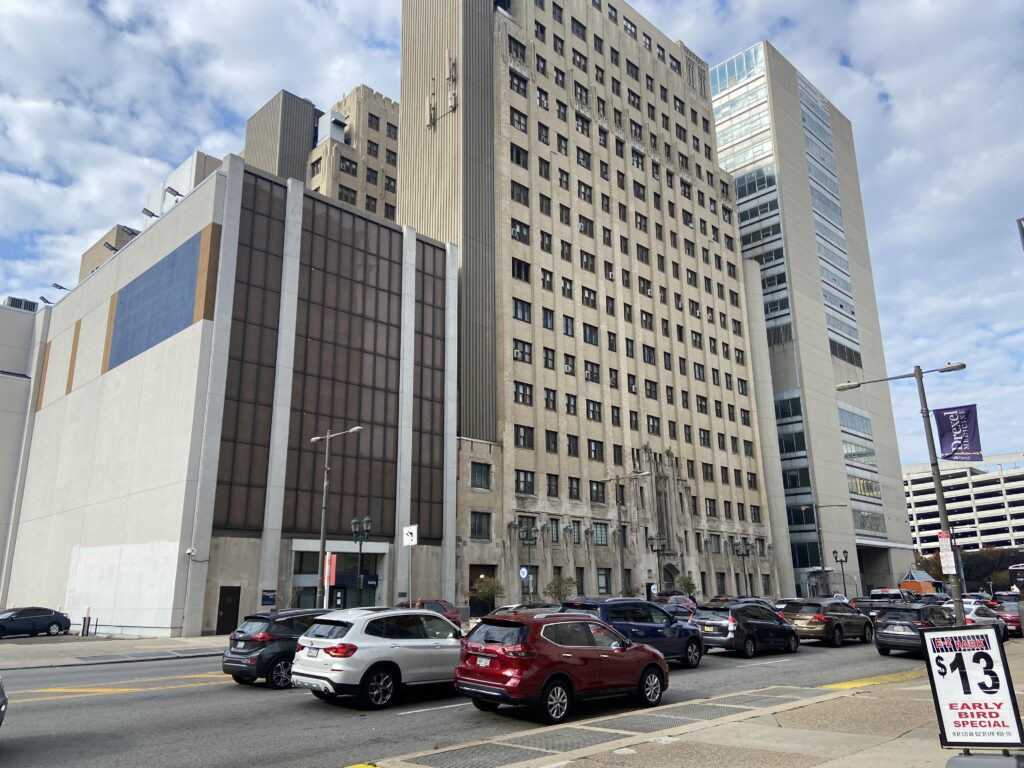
point(125, 660)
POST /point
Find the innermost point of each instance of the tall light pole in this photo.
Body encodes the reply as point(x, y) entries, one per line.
point(940, 501)
point(360, 533)
point(321, 596)
point(658, 544)
point(842, 565)
point(742, 550)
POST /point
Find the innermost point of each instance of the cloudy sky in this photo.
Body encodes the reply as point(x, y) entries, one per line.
point(100, 100)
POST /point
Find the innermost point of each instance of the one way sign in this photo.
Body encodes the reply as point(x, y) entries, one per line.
point(410, 535)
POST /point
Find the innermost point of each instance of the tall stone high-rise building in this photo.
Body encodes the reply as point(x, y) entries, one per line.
point(802, 232)
point(607, 423)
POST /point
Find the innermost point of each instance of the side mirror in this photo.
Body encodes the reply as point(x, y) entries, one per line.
point(458, 634)
point(620, 645)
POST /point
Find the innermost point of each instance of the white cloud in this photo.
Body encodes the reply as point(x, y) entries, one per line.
point(99, 101)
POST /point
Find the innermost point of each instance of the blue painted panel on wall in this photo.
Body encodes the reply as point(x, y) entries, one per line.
point(157, 304)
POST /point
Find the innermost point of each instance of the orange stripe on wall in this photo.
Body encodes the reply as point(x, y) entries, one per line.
point(206, 277)
point(74, 357)
point(42, 376)
point(111, 316)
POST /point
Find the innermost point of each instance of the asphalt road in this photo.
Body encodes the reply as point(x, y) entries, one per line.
point(186, 713)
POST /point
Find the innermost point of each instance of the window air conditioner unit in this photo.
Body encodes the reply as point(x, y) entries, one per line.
point(632, 388)
point(582, 228)
point(588, 376)
point(517, 355)
point(568, 369)
point(650, 292)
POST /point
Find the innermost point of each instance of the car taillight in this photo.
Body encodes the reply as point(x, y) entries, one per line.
point(519, 652)
point(781, 615)
point(968, 621)
point(262, 637)
point(819, 617)
point(341, 651)
point(731, 624)
point(921, 623)
point(853, 604)
point(299, 647)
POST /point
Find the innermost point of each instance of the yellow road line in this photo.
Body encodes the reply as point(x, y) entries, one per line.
point(85, 690)
point(103, 686)
point(893, 677)
point(88, 692)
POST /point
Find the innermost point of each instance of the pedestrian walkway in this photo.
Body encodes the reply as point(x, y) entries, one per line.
point(888, 720)
point(68, 650)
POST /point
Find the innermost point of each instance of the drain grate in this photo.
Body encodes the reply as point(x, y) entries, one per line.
point(478, 756)
point(791, 692)
point(699, 711)
point(642, 723)
point(752, 700)
point(564, 739)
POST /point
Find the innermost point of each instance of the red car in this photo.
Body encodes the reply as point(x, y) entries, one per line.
point(1010, 617)
point(550, 660)
point(443, 607)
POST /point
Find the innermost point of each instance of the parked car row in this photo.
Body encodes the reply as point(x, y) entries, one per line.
point(32, 621)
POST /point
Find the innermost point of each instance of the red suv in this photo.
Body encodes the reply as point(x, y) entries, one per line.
point(443, 607)
point(550, 660)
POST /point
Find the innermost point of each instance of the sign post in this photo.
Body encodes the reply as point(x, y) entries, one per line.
point(410, 538)
point(330, 568)
point(974, 697)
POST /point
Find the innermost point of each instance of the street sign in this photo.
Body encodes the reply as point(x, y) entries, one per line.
point(524, 572)
point(974, 698)
point(268, 597)
point(654, 590)
point(410, 535)
point(371, 580)
point(948, 562)
point(945, 544)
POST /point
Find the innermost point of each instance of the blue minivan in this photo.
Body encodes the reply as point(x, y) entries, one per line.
point(645, 622)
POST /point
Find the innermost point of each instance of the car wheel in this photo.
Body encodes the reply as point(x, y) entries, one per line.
point(651, 687)
point(53, 630)
point(555, 702)
point(324, 695)
point(485, 706)
point(243, 679)
point(837, 637)
point(884, 651)
point(692, 655)
point(749, 648)
point(793, 644)
point(868, 633)
point(280, 674)
point(378, 688)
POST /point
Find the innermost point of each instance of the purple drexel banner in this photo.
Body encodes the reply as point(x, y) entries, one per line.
point(958, 433)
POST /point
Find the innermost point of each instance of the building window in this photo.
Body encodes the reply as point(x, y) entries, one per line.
point(480, 475)
point(480, 525)
point(524, 481)
point(373, 121)
point(601, 534)
point(392, 131)
point(604, 577)
point(347, 194)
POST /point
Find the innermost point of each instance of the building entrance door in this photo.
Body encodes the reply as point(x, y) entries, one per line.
point(227, 609)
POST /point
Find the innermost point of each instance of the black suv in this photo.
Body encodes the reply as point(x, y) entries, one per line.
point(644, 622)
point(746, 627)
point(896, 627)
point(264, 646)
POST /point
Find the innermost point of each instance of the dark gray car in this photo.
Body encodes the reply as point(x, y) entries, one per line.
point(33, 621)
point(264, 646)
point(828, 620)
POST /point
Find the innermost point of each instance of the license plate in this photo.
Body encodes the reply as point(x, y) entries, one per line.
point(483, 661)
point(709, 629)
point(898, 629)
point(239, 643)
point(312, 652)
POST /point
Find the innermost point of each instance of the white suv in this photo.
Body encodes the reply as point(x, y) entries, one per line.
point(369, 652)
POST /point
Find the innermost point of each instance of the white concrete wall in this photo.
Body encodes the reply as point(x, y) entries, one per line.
point(111, 468)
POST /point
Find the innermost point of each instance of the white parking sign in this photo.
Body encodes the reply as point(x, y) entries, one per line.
point(971, 686)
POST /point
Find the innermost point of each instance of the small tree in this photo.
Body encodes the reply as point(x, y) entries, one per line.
point(686, 584)
point(560, 588)
point(486, 588)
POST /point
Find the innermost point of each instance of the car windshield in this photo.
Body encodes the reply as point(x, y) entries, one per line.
point(254, 626)
point(593, 610)
point(808, 608)
point(497, 633)
point(329, 630)
point(710, 615)
point(899, 614)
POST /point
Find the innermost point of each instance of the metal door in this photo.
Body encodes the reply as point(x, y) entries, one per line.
point(227, 609)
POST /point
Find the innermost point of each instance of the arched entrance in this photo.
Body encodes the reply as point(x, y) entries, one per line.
point(669, 576)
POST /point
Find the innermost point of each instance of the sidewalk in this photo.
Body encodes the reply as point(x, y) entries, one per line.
point(884, 721)
point(68, 650)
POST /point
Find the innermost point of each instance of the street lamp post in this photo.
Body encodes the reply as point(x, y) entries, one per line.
point(360, 533)
point(528, 537)
point(742, 550)
point(918, 375)
point(842, 564)
point(321, 592)
point(658, 544)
